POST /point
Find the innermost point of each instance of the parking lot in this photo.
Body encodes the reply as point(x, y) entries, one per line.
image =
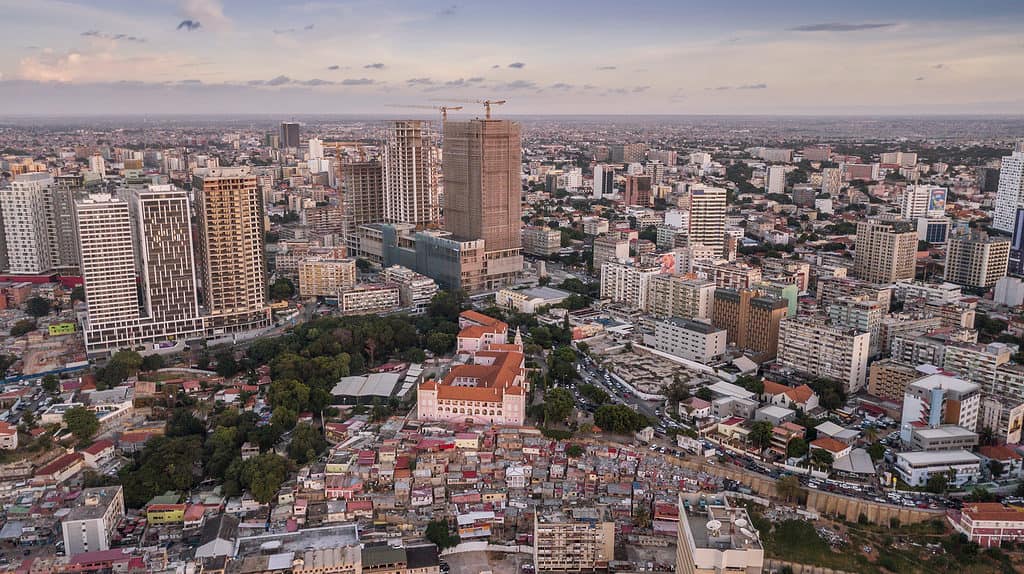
point(496, 562)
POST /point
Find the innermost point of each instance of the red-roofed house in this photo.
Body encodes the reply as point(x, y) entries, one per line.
point(838, 449)
point(802, 397)
point(8, 436)
point(991, 523)
point(59, 470)
point(1013, 463)
point(98, 453)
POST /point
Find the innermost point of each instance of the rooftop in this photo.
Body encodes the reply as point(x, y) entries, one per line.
point(944, 382)
point(299, 541)
point(93, 503)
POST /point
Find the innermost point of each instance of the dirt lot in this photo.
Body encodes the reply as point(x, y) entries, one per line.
point(477, 562)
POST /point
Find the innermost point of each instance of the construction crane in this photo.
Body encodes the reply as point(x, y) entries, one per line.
point(487, 105)
point(444, 109)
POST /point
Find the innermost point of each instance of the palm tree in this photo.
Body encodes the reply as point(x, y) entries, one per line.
point(761, 434)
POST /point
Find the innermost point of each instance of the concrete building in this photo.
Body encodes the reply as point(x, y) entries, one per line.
point(541, 241)
point(976, 261)
point(976, 363)
point(637, 190)
point(595, 226)
point(368, 299)
point(529, 300)
point(23, 204)
point(915, 468)
point(939, 400)
point(679, 296)
point(752, 321)
point(325, 277)
point(885, 250)
point(923, 201)
point(692, 340)
point(813, 347)
point(990, 524)
point(91, 523)
point(860, 313)
point(233, 266)
point(362, 195)
point(626, 283)
point(716, 538)
point(604, 181)
point(610, 248)
point(944, 437)
point(415, 290)
point(576, 540)
point(289, 135)
point(707, 206)
point(888, 379)
point(775, 179)
point(1003, 415)
point(1010, 194)
point(410, 190)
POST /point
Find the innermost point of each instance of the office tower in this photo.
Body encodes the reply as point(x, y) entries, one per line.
point(775, 179)
point(638, 190)
point(707, 218)
point(923, 201)
point(862, 313)
point(97, 164)
point(831, 180)
point(811, 346)
point(604, 180)
point(483, 187)
point(108, 263)
point(166, 261)
point(316, 148)
point(987, 178)
point(976, 260)
point(289, 135)
point(1010, 194)
point(232, 261)
point(751, 320)
point(885, 250)
point(59, 204)
point(899, 158)
point(25, 227)
point(410, 193)
point(1016, 266)
point(362, 194)
point(937, 400)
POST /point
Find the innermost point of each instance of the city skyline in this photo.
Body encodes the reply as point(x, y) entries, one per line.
point(213, 56)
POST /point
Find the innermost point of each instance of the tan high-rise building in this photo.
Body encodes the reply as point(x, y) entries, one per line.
point(482, 183)
point(752, 321)
point(410, 189)
point(885, 250)
point(325, 276)
point(679, 296)
point(976, 260)
point(574, 540)
point(362, 194)
point(233, 263)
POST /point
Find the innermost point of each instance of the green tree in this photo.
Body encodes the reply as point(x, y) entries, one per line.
point(558, 405)
point(796, 448)
point(37, 306)
point(595, 394)
point(23, 327)
point(227, 365)
point(51, 384)
point(876, 451)
point(996, 468)
point(821, 457)
point(183, 423)
point(937, 483)
point(619, 419)
point(574, 451)
point(78, 293)
point(282, 289)
point(264, 476)
point(82, 423)
point(705, 394)
point(289, 394)
point(440, 534)
point(306, 444)
point(440, 343)
point(761, 434)
point(788, 488)
point(152, 362)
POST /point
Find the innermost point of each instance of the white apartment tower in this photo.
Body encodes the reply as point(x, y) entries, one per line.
point(108, 263)
point(707, 218)
point(25, 226)
point(1010, 194)
point(923, 201)
point(775, 179)
point(410, 192)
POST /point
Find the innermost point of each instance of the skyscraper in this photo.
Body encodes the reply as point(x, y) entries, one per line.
point(923, 200)
point(410, 193)
point(362, 194)
point(108, 263)
point(24, 215)
point(885, 250)
point(232, 261)
point(707, 218)
point(976, 260)
point(483, 187)
point(1010, 194)
point(604, 180)
point(775, 179)
point(638, 190)
point(289, 135)
point(166, 262)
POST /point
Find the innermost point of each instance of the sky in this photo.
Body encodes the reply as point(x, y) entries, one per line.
point(79, 57)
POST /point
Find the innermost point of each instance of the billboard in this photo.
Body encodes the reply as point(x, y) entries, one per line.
point(61, 329)
point(937, 199)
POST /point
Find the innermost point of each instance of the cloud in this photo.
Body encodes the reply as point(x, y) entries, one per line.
point(255, 82)
point(640, 89)
point(517, 65)
point(475, 80)
point(374, 66)
point(189, 25)
point(334, 67)
point(105, 36)
point(279, 81)
point(317, 82)
point(605, 68)
point(308, 27)
point(305, 28)
point(760, 86)
point(939, 66)
point(561, 86)
point(919, 78)
point(209, 12)
point(419, 82)
point(496, 66)
point(518, 85)
point(357, 82)
point(589, 86)
point(190, 82)
point(841, 27)
point(449, 11)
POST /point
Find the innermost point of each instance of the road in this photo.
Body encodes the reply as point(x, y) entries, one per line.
point(595, 375)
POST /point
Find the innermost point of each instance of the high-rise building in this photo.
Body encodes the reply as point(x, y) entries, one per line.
point(60, 222)
point(541, 241)
point(679, 296)
point(831, 180)
point(627, 153)
point(233, 264)
point(410, 192)
point(811, 346)
point(24, 221)
point(316, 148)
point(325, 276)
point(716, 538)
point(976, 260)
point(1010, 194)
point(923, 201)
point(604, 180)
point(707, 217)
point(483, 192)
point(610, 247)
point(362, 194)
point(575, 540)
point(862, 313)
point(93, 520)
point(626, 283)
point(939, 400)
point(885, 250)
point(751, 320)
point(108, 263)
point(637, 191)
point(289, 135)
point(775, 179)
